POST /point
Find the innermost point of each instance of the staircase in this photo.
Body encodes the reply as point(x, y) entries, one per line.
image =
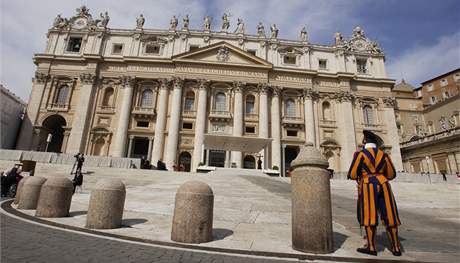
point(236, 171)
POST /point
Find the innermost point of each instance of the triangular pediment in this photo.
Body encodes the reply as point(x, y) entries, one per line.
point(222, 53)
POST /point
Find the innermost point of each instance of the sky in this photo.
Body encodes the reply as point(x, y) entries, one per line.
point(420, 38)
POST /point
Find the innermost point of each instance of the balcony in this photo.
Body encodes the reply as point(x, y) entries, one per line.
point(58, 107)
point(372, 126)
point(188, 113)
point(327, 123)
point(144, 112)
point(218, 115)
point(251, 116)
point(293, 121)
point(106, 109)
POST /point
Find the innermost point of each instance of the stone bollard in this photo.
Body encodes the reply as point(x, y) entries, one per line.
point(55, 198)
point(193, 213)
point(106, 204)
point(311, 202)
point(18, 191)
point(30, 192)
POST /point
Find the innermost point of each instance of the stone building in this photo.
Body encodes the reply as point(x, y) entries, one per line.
point(12, 109)
point(206, 97)
point(428, 124)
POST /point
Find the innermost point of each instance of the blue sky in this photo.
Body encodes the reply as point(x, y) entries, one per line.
point(421, 38)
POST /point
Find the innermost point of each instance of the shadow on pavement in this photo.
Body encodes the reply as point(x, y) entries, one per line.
point(339, 239)
point(78, 213)
point(221, 233)
point(133, 221)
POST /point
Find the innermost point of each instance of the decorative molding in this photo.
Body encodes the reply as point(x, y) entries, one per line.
point(87, 78)
point(41, 78)
point(310, 93)
point(263, 88)
point(177, 82)
point(128, 81)
point(276, 91)
point(389, 101)
point(203, 83)
point(165, 83)
point(344, 96)
point(238, 86)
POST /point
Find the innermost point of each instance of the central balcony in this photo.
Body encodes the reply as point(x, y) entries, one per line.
point(219, 115)
point(293, 121)
point(144, 112)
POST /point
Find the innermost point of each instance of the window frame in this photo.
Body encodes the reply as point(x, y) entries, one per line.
point(121, 50)
point(68, 44)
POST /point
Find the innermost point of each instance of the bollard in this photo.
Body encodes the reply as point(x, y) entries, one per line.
point(193, 213)
point(106, 204)
point(311, 202)
point(19, 189)
point(55, 198)
point(30, 192)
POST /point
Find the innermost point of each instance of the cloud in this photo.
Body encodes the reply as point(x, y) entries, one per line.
point(421, 63)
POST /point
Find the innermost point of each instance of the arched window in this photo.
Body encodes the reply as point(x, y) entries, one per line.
point(221, 102)
point(250, 101)
point(189, 104)
point(108, 97)
point(327, 111)
point(147, 99)
point(368, 117)
point(290, 108)
point(62, 93)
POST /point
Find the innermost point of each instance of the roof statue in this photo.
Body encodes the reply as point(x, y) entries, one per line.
point(274, 31)
point(140, 20)
point(260, 30)
point(173, 23)
point(104, 21)
point(358, 42)
point(60, 22)
point(239, 26)
point(186, 21)
point(207, 23)
point(303, 35)
point(225, 23)
point(338, 38)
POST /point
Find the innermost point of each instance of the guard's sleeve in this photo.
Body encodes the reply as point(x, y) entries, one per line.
point(355, 168)
point(390, 172)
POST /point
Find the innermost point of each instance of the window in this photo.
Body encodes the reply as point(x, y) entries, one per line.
point(189, 104)
point(193, 47)
point(221, 102)
point(289, 59)
point(290, 108)
point(108, 97)
point(430, 87)
point(327, 111)
point(61, 97)
point(361, 65)
point(433, 100)
point(147, 99)
point(74, 44)
point(368, 116)
point(444, 82)
point(142, 124)
point(292, 133)
point(187, 125)
point(252, 52)
point(152, 49)
point(457, 77)
point(322, 64)
point(419, 93)
point(250, 129)
point(250, 100)
point(445, 94)
point(117, 49)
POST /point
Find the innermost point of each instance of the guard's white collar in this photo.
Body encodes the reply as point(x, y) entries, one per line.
point(370, 145)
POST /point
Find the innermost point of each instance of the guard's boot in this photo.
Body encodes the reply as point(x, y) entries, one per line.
point(370, 248)
point(392, 234)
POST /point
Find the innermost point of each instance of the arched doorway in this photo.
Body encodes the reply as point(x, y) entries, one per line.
point(290, 153)
point(54, 125)
point(185, 159)
point(249, 162)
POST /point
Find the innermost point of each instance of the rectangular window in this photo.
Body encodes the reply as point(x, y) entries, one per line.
point(193, 47)
point(322, 64)
point(252, 52)
point(74, 44)
point(433, 100)
point(457, 77)
point(187, 125)
point(152, 49)
point(444, 82)
point(117, 49)
point(143, 124)
point(289, 59)
point(430, 87)
point(445, 94)
point(292, 133)
point(361, 65)
point(250, 129)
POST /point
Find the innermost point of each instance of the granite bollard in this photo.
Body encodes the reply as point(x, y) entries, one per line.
point(311, 202)
point(106, 204)
point(18, 191)
point(193, 213)
point(30, 192)
point(55, 198)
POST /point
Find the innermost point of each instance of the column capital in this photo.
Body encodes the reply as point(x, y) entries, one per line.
point(128, 81)
point(238, 86)
point(344, 96)
point(164, 83)
point(203, 83)
point(263, 87)
point(150, 138)
point(131, 137)
point(276, 90)
point(87, 78)
point(310, 93)
point(177, 82)
point(390, 102)
point(41, 78)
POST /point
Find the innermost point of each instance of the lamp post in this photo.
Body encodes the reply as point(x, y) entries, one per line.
point(48, 140)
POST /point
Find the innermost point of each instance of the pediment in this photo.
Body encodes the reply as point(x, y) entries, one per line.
point(222, 53)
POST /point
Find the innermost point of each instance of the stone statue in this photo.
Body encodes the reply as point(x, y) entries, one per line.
point(225, 23)
point(338, 38)
point(105, 18)
point(443, 123)
point(59, 22)
point(274, 31)
point(260, 30)
point(452, 122)
point(186, 21)
point(358, 32)
point(239, 26)
point(304, 34)
point(83, 11)
point(375, 48)
point(140, 20)
point(207, 23)
point(173, 23)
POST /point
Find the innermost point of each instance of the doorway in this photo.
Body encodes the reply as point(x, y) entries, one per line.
point(140, 147)
point(54, 125)
point(290, 153)
point(217, 158)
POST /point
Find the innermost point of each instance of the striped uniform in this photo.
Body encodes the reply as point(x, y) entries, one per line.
point(372, 168)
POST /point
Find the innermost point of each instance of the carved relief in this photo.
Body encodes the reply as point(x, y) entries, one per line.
point(203, 83)
point(223, 54)
point(358, 42)
point(389, 101)
point(41, 78)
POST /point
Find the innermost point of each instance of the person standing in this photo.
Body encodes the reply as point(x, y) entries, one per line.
point(80, 160)
point(373, 169)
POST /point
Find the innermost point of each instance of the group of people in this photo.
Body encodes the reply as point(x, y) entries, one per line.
point(10, 180)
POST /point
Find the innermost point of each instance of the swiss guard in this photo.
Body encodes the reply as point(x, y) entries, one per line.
point(372, 169)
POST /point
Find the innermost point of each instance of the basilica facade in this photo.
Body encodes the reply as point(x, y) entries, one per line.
point(206, 97)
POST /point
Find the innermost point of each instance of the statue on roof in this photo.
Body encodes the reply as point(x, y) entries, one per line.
point(60, 22)
point(338, 38)
point(140, 20)
point(274, 31)
point(186, 21)
point(358, 32)
point(260, 30)
point(304, 35)
point(239, 26)
point(225, 23)
point(207, 23)
point(173, 23)
point(83, 11)
point(105, 18)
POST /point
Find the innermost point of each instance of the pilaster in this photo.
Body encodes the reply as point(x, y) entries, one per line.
point(119, 148)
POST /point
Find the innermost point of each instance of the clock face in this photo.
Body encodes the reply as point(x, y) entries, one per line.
point(79, 23)
point(360, 44)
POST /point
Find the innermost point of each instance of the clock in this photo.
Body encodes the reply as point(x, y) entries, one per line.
point(360, 45)
point(80, 23)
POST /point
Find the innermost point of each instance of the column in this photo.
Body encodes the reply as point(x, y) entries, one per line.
point(65, 140)
point(263, 120)
point(238, 106)
point(81, 116)
point(346, 132)
point(149, 153)
point(130, 146)
point(33, 107)
point(159, 138)
point(392, 132)
point(121, 133)
point(173, 130)
point(276, 128)
point(200, 123)
point(309, 96)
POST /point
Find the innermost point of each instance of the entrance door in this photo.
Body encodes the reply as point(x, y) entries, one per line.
point(290, 153)
point(185, 159)
point(249, 162)
point(54, 125)
point(140, 147)
point(217, 158)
